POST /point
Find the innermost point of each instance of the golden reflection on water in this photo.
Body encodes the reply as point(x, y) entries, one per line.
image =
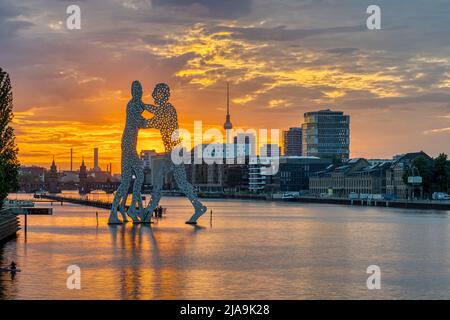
point(252, 250)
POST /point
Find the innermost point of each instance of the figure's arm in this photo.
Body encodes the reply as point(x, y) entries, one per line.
point(149, 107)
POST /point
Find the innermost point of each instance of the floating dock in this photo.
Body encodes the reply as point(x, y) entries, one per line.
point(32, 211)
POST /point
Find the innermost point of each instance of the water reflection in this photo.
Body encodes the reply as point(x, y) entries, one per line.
point(8, 279)
point(256, 250)
point(150, 260)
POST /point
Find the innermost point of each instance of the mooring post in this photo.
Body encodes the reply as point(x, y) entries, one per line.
point(26, 221)
point(96, 217)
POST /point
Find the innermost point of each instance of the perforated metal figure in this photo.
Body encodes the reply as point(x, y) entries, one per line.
point(130, 162)
point(166, 121)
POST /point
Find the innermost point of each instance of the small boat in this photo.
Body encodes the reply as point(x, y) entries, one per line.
point(289, 197)
point(10, 270)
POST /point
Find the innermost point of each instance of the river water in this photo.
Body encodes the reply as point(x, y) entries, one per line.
point(246, 250)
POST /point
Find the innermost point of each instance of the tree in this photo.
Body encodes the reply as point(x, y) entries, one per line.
point(9, 165)
point(424, 169)
point(441, 172)
point(336, 160)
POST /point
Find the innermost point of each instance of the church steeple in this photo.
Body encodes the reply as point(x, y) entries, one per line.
point(51, 178)
point(227, 125)
point(82, 175)
point(53, 166)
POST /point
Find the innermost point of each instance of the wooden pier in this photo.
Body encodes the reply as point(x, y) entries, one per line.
point(9, 224)
point(404, 204)
point(84, 202)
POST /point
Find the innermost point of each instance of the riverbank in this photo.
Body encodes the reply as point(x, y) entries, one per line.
point(404, 204)
point(9, 225)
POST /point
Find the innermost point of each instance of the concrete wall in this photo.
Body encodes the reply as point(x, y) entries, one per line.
point(9, 224)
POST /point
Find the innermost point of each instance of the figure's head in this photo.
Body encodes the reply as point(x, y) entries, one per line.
point(161, 93)
point(136, 89)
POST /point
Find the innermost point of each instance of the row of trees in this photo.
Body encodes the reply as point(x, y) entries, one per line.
point(435, 175)
point(9, 165)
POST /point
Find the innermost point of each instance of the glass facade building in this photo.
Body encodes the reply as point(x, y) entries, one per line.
point(326, 134)
point(292, 142)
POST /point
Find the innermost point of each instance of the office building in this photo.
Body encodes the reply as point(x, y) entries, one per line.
point(292, 142)
point(326, 134)
point(270, 150)
point(146, 157)
point(356, 176)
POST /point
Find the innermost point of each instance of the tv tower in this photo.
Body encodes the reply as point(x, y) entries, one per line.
point(227, 125)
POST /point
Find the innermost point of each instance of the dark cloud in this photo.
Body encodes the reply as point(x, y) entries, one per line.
point(281, 33)
point(229, 9)
point(343, 51)
point(8, 26)
point(440, 98)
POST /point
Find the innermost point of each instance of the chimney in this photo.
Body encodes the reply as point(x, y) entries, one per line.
point(96, 167)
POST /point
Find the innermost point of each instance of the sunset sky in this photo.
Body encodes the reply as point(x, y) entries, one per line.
point(281, 57)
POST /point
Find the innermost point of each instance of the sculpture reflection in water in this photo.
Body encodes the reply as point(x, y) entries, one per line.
point(166, 121)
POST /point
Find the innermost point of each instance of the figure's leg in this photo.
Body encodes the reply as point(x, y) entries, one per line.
point(123, 187)
point(123, 203)
point(137, 196)
point(158, 173)
point(179, 173)
point(113, 218)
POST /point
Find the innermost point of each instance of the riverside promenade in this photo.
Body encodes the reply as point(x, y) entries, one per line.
point(403, 204)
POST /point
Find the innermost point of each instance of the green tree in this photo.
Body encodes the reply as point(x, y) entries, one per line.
point(441, 172)
point(9, 165)
point(424, 169)
point(336, 160)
